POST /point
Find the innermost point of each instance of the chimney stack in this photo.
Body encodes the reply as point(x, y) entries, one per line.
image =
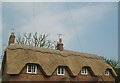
point(60, 45)
point(12, 38)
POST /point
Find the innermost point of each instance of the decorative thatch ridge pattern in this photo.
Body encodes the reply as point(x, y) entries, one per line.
point(20, 55)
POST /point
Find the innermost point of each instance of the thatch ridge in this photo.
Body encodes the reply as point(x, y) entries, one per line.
point(51, 51)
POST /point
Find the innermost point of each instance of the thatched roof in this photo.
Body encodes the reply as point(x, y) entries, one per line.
point(20, 55)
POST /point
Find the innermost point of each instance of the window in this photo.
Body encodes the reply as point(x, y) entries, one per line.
point(107, 73)
point(32, 68)
point(84, 71)
point(60, 71)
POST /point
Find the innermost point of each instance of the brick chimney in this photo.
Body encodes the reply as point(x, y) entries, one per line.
point(12, 38)
point(60, 45)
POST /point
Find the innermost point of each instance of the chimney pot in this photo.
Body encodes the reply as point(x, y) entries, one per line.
point(60, 40)
point(60, 45)
point(12, 38)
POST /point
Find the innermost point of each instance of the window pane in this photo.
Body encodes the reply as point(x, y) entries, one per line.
point(62, 71)
point(58, 70)
point(33, 68)
point(29, 68)
point(83, 70)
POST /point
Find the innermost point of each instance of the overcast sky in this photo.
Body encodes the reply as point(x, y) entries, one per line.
point(90, 27)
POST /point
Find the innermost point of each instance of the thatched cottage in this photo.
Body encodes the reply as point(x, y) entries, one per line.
point(29, 63)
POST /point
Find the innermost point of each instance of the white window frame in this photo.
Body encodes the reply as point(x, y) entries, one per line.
point(61, 71)
point(107, 73)
point(33, 68)
point(84, 71)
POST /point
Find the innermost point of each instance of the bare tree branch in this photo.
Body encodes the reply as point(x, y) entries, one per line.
point(35, 40)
